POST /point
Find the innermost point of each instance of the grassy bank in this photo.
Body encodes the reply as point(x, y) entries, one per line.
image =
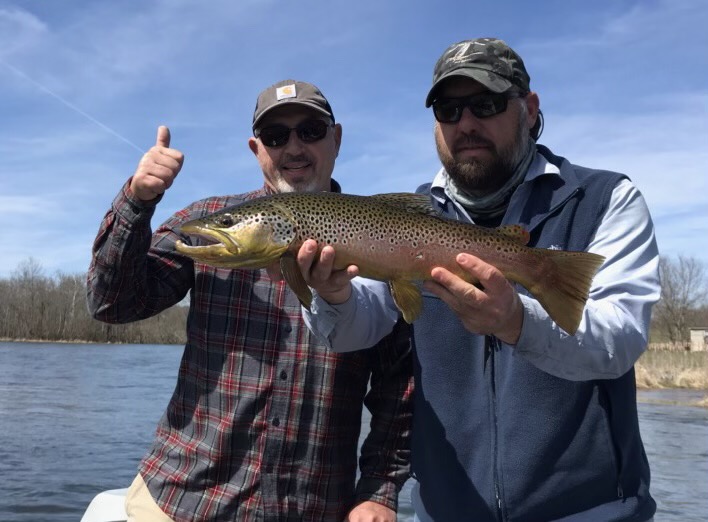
point(662, 369)
point(657, 369)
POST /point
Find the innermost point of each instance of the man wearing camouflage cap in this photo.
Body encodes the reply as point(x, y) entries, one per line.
point(514, 418)
point(264, 422)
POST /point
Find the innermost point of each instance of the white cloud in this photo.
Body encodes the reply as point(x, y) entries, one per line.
point(41, 208)
point(667, 17)
point(659, 148)
point(18, 29)
point(663, 152)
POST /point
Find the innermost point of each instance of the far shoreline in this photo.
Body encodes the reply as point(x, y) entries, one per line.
point(77, 341)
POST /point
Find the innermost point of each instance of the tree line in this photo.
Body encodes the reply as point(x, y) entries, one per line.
point(34, 306)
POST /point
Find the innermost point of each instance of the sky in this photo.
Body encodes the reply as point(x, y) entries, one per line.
point(84, 85)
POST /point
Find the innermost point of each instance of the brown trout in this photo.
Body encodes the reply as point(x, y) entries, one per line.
point(396, 238)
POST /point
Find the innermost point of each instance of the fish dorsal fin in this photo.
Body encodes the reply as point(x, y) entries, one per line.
point(408, 201)
point(293, 276)
point(516, 233)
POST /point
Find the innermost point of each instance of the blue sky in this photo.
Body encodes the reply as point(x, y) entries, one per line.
point(84, 85)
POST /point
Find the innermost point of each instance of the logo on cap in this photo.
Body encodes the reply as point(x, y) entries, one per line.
point(286, 91)
point(461, 56)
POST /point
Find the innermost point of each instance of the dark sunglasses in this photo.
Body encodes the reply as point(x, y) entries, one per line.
point(308, 131)
point(484, 105)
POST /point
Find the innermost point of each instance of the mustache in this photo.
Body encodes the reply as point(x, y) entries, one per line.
point(295, 158)
point(472, 140)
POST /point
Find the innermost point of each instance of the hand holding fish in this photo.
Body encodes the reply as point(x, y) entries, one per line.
point(370, 511)
point(157, 169)
point(492, 307)
point(331, 285)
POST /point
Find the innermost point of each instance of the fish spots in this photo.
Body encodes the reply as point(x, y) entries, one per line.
point(371, 227)
point(392, 241)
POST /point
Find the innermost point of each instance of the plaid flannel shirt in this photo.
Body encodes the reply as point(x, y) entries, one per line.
point(264, 421)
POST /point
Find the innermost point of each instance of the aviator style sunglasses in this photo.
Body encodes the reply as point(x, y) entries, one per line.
point(308, 131)
point(484, 105)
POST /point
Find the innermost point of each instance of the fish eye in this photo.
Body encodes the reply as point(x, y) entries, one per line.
point(225, 220)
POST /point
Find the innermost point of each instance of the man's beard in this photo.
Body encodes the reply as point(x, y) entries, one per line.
point(310, 185)
point(283, 184)
point(480, 177)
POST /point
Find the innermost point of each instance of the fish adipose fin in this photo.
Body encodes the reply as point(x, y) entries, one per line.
point(408, 299)
point(563, 294)
point(293, 276)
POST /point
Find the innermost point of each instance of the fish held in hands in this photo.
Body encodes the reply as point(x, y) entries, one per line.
point(396, 238)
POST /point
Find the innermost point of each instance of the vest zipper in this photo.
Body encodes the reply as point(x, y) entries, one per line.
point(492, 344)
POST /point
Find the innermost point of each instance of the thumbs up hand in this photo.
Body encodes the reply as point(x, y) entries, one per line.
point(157, 169)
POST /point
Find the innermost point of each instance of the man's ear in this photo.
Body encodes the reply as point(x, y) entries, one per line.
point(533, 104)
point(253, 145)
point(337, 136)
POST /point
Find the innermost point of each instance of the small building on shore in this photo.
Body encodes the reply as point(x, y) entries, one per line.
point(699, 338)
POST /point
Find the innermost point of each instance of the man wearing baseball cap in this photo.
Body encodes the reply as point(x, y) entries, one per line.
point(264, 421)
point(515, 418)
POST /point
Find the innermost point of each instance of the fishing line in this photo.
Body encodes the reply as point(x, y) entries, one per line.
point(70, 105)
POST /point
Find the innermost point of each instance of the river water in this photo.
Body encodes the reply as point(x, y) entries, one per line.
point(76, 419)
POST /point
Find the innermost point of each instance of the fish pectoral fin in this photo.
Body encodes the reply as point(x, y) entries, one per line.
point(408, 299)
point(516, 233)
point(293, 276)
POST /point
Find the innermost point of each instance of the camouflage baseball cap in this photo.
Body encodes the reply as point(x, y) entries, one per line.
point(489, 61)
point(288, 92)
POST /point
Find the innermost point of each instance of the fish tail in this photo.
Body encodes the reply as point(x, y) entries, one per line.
point(565, 288)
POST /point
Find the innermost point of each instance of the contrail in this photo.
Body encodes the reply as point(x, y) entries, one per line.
point(70, 105)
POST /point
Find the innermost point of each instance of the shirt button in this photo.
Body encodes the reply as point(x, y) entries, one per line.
point(283, 374)
point(276, 422)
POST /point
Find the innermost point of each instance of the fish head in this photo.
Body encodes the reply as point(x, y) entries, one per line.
point(243, 236)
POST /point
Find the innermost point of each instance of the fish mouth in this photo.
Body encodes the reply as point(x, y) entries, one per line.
point(245, 247)
point(222, 244)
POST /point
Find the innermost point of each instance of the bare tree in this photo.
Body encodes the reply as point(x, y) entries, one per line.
point(683, 292)
point(34, 306)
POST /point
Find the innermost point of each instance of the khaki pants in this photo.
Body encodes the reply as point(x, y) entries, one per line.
point(140, 506)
